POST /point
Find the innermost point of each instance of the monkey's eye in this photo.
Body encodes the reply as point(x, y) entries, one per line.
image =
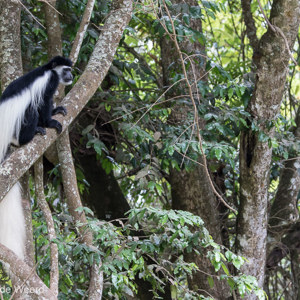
point(66, 71)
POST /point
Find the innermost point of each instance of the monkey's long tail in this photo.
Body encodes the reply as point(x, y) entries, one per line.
point(12, 221)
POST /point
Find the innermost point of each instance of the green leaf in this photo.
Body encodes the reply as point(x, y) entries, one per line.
point(164, 219)
point(186, 19)
point(231, 283)
point(77, 249)
point(217, 257)
point(230, 93)
point(218, 153)
point(107, 107)
point(210, 282)
point(195, 12)
point(238, 262)
point(174, 236)
point(87, 129)
point(226, 271)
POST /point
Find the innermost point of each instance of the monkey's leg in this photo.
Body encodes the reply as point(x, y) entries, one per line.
point(29, 127)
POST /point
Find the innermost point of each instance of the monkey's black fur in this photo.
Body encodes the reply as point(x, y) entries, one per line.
point(39, 115)
point(26, 107)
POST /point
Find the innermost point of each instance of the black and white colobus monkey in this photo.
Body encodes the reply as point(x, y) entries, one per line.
point(26, 108)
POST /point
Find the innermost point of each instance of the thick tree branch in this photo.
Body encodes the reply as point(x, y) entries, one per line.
point(21, 159)
point(81, 31)
point(41, 200)
point(255, 155)
point(277, 30)
point(10, 42)
point(54, 41)
point(25, 273)
point(65, 153)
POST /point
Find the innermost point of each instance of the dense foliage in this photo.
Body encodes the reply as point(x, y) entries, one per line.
point(130, 131)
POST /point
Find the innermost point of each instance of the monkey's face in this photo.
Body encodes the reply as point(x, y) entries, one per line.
point(64, 74)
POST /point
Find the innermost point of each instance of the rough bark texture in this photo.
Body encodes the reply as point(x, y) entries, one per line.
point(65, 154)
point(54, 41)
point(54, 48)
point(74, 202)
point(284, 209)
point(82, 30)
point(191, 190)
point(86, 86)
point(25, 273)
point(10, 43)
point(42, 202)
point(289, 243)
point(271, 61)
point(71, 190)
point(295, 258)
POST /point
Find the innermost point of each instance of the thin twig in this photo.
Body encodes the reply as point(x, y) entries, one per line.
point(47, 2)
point(24, 282)
point(151, 106)
point(142, 108)
point(31, 14)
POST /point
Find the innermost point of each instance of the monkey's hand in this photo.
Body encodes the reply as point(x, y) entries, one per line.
point(59, 110)
point(40, 130)
point(56, 125)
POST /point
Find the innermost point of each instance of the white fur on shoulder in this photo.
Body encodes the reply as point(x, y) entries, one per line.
point(12, 111)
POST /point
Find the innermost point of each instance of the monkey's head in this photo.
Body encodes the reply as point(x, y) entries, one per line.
point(64, 74)
point(63, 68)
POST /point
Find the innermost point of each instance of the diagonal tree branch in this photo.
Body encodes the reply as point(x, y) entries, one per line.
point(82, 30)
point(25, 273)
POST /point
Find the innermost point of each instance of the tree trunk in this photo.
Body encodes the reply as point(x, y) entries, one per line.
point(271, 60)
point(104, 194)
point(191, 190)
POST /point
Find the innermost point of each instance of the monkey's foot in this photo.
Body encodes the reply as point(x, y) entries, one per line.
point(40, 130)
point(59, 110)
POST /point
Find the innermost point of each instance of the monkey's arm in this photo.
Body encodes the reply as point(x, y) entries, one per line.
point(46, 113)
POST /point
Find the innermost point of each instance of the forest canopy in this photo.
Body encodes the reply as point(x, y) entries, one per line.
point(177, 174)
